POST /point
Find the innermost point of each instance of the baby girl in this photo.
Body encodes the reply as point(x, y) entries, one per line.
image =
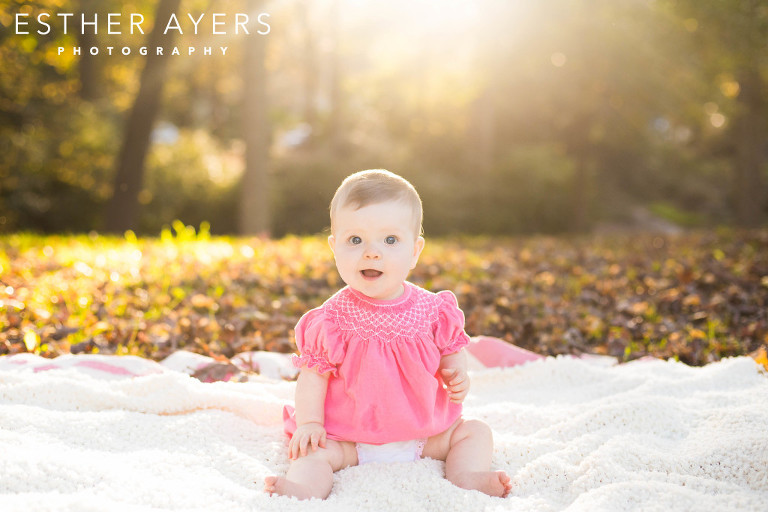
point(383, 370)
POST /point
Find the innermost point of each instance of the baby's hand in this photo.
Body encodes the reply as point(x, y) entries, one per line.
point(456, 382)
point(306, 435)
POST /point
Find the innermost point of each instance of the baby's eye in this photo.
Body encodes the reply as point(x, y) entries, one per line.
point(390, 240)
point(355, 240)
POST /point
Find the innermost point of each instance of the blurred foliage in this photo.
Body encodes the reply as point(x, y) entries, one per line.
point(44, 184)
point(509, 117)
point(302, 188)
point(698, 297)
point(193, 178)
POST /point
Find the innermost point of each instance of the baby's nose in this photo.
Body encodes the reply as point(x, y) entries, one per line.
point(371, 253)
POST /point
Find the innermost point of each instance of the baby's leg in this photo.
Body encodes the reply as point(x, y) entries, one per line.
point(311, 476)
point(467, 448)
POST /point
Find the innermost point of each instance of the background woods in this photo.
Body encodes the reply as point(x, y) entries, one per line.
point(510, 117)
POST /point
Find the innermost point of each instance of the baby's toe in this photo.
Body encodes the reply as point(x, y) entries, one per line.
point(270, 484)
point(506, 482)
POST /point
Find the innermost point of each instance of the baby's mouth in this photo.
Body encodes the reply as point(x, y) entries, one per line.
point(371, 273)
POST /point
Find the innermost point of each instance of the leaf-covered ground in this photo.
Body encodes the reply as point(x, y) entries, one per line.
point(697, 297)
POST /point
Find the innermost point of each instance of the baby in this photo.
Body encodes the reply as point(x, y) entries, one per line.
point(383, 370)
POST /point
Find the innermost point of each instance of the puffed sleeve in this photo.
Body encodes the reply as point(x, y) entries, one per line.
point(319, 346)
point(449, 331)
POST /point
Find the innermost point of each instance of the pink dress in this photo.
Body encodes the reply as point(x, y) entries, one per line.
point(383, 358)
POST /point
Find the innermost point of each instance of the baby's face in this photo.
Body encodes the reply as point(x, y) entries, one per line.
point(375, 247)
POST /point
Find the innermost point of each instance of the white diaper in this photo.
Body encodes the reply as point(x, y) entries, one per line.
point(400, 451)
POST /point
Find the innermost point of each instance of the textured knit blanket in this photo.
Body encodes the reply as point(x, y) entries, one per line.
point(101, 433)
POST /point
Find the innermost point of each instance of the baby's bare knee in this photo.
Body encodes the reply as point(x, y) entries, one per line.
point(340, 454)
point(329, 454)
point(475, 429)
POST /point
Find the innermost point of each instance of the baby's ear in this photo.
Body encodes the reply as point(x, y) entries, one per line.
point(417, 248)
point(332, 242)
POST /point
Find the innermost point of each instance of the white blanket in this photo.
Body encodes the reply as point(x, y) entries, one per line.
point(573, 434)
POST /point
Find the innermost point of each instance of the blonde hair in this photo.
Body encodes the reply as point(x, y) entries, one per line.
point(375, 186)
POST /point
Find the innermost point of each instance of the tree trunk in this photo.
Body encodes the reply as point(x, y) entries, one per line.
point(124, 207)
point(87, 64)
point(254, 191)
point(309, 65)
point(336, 115)
point(581, 149)
point(751, 137)
point(482, 137)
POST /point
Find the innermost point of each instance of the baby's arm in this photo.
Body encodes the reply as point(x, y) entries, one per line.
point(310, 413)
point(453, 369)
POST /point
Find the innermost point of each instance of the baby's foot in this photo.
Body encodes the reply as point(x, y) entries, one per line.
point(279, 485)
point(492, 483)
